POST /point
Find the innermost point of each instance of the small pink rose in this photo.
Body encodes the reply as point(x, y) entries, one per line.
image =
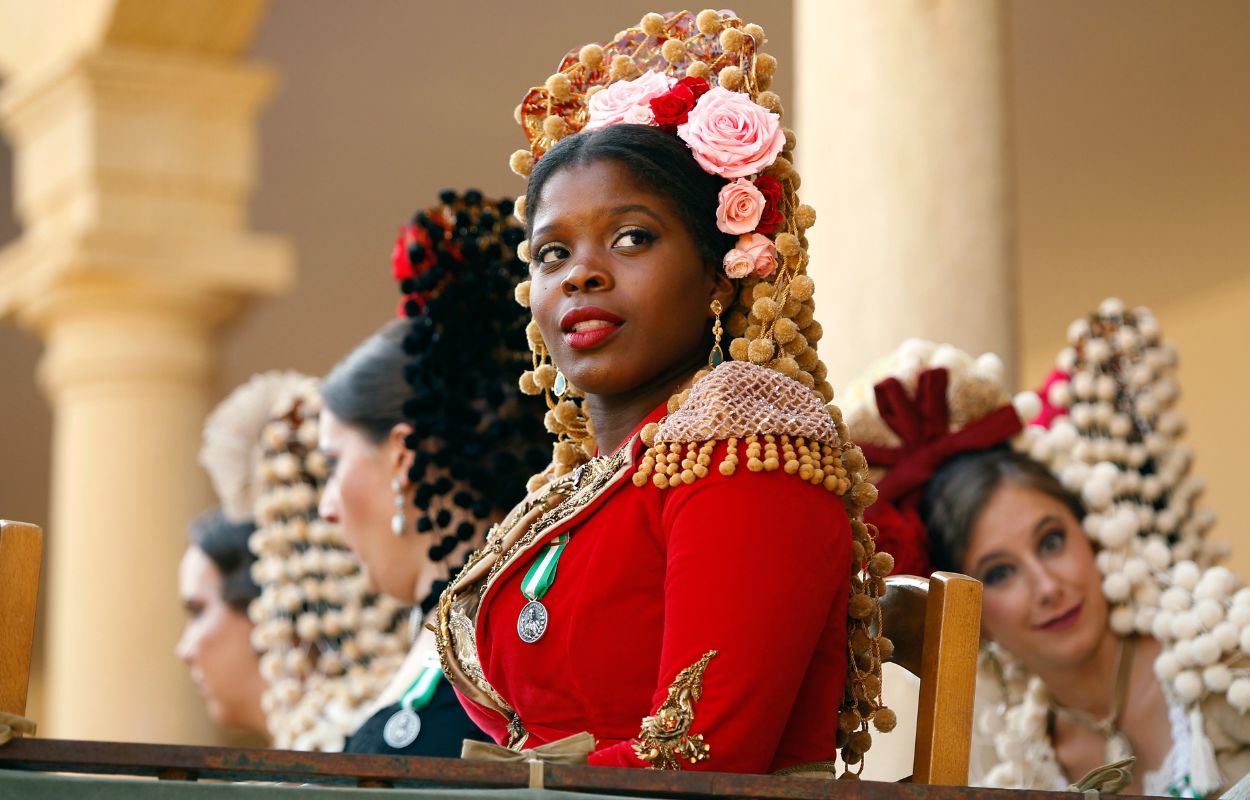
point(731, 135)
point(639, 115)
point(738, 264)
point(609, 106)
point(761, 251)
point(741, 206)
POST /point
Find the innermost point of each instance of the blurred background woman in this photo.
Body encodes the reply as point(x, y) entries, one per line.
point(216, 586)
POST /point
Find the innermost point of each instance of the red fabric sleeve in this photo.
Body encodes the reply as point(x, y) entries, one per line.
point(756, 563)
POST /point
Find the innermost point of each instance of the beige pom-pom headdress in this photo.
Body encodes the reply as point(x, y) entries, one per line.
point(328, 646)
point(688, 73)
point(231, 452)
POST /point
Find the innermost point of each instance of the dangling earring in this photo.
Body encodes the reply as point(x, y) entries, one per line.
point(399, 522)
point(561, 384)
point(717, 355)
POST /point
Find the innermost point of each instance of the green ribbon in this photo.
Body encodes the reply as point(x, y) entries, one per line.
point(422, 690)
point(542, 572)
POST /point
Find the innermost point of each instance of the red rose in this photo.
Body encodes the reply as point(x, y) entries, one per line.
point(697, 86)
point(673, 107)
point(402, 265)
point(772, 217)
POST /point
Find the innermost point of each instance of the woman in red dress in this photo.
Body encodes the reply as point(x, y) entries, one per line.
point(678, 584)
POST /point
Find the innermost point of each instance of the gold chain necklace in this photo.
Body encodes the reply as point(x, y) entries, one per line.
point(1118, 746)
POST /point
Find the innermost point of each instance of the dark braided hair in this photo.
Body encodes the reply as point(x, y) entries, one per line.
point(449, 368)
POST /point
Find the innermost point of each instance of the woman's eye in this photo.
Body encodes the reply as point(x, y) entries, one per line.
point(551, 253)
point(633, 237)
point(997, 574)
point(1051, 542)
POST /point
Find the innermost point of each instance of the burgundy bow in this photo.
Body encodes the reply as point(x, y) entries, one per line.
point(923, 423)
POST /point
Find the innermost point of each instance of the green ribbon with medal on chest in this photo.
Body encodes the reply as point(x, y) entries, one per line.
point(532, 622)
point(404, 725)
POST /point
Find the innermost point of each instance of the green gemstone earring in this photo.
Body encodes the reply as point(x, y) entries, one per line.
point(717, 356)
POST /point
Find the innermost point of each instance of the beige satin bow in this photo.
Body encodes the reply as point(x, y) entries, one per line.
point(11, 724)
point(569, 750)
point(1107, 779)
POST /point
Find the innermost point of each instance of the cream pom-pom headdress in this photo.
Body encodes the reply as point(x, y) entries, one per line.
point(328, 645)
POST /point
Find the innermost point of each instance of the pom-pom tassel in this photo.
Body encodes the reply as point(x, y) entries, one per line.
point(1204, 772)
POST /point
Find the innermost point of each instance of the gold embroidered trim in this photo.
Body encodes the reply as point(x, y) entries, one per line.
point(665, 738)
point(456, 627)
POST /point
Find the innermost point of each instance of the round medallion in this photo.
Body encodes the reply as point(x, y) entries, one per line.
point(401, 729)
point(532, 623)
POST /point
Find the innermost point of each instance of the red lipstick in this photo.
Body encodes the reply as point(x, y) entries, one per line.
point(588, 326)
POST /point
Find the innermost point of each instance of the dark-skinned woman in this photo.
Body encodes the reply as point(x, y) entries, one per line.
point(676, 587)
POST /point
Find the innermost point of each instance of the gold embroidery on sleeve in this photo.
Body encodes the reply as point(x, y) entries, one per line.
point(665, 738)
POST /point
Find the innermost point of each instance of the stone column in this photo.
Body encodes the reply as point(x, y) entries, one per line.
point(134, 146)
point(902, 149)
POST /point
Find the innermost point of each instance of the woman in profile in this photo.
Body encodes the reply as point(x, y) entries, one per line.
point(428, 443)
point(216, 587)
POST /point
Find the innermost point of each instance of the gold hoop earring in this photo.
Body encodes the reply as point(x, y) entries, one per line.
point(717, 356)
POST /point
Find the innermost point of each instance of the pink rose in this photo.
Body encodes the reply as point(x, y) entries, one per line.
point(738, 264)
point(731, 135)
point(639, 115)
point(760, 250)
point(741, 206)
point(609, 106)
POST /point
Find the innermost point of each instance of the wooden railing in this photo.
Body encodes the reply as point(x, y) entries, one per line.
point(185, 763)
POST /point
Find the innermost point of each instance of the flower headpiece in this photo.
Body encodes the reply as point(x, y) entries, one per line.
point(472, 436)
point(915, 410)
point(704, 78)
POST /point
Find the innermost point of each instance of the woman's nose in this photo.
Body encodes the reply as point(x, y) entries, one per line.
point(184, 649)
point(587, 275)
point(328, 508)
point(1048, 586)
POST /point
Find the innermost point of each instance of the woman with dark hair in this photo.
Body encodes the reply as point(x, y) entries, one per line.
point(428, 443)
point(1076, 671)
point(677, 585)
point(216, 586)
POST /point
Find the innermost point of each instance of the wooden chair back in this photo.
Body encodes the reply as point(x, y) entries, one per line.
point(935, 625)
point(21, 549)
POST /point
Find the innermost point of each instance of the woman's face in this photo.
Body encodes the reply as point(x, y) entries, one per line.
point(359, 498)
point(216, 644)
point(619, 290)
point(1043, 599)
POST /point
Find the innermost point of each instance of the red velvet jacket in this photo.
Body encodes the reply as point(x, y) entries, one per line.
point(754, 565)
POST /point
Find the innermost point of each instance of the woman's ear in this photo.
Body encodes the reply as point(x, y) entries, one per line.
point(398, 457)
point(724, 289)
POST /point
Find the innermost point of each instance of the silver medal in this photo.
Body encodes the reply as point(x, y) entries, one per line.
point(532, 623)
point(402, 728)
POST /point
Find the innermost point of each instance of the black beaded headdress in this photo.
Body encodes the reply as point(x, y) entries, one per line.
point(476, 438)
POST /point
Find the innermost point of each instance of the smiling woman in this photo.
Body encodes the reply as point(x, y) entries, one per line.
point(679, 581)
point(1080, 665)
